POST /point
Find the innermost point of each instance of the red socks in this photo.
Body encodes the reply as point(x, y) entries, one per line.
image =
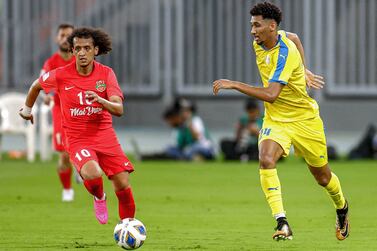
point(65, 177)
point(126, 203)
point(95, 187)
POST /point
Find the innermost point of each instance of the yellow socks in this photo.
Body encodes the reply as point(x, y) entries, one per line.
point(271, 187)
point(272, 190)
point(335, 191)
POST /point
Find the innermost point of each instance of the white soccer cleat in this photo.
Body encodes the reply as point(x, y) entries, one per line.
point(68, 195)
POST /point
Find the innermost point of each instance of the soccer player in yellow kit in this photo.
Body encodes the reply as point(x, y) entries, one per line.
point(291, 117)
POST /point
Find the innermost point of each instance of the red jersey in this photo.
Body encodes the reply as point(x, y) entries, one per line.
point(56, 61)
point(81, 118)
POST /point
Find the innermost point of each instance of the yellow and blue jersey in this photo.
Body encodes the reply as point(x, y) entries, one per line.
point(283, 64)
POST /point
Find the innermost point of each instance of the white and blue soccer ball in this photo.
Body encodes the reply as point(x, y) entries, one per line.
point(130, 233)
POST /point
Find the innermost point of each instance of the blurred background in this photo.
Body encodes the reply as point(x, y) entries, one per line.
point(163, 49)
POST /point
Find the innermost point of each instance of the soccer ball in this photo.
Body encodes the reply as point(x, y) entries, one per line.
point(130, 233)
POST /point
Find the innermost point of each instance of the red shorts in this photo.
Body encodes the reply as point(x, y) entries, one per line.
point(58, 135)
point(109, 156)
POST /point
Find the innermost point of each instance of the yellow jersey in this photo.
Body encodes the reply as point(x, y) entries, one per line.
point(283, 64)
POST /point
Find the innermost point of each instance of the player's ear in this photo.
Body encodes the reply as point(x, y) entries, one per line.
point(273, 25)
point(96, 50)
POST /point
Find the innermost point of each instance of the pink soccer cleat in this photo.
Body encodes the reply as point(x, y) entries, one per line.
point(100, 209)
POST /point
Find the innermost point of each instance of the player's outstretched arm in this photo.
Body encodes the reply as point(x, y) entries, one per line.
point(114, 105)
point(267, 94)
point(25, 111)
point(312, 80)
point(296, 40)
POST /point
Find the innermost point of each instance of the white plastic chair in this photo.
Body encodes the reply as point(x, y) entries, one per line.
point(45, 131)
point(12, 123)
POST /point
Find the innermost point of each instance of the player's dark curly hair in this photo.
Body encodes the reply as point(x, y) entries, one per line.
point(100, 38)
point(267, 10)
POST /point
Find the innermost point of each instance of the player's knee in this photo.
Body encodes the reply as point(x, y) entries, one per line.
point(65, 159)
point(266, 161)
point(91, 170)
point(62, 167)
point(87, 175)
point(322, 180)
point(120, 181)
point(121, 186)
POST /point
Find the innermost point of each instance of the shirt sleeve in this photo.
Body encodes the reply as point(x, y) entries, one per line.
point(113, 88)
point(283, 68)
point(48, 81)
point(46, 67)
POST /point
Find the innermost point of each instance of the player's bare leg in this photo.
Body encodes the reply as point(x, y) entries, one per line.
point(123, 191)
point(331, 183)
point(65, 173)
point(92, 175)
point(269, 153)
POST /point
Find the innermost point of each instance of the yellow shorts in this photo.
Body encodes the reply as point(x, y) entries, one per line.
point(307, 136)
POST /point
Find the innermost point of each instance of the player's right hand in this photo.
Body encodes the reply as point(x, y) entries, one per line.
point(26, 117)
point(222, 84)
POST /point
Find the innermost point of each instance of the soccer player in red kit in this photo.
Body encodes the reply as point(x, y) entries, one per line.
point(60, 58)
point(89, 95)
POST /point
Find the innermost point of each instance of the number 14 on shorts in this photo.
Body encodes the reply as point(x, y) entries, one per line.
point(264, 131)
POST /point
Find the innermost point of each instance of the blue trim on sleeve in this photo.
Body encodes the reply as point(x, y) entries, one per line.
point(282, 60)
point(278, 81)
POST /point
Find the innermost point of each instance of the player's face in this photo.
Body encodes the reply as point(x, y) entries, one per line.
point(61, 39)
point(260, 29)
point(253, 114)
point(186, 114)
point(84, 51)
point(174, 121)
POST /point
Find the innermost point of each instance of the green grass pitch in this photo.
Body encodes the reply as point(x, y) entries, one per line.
point(188, 206)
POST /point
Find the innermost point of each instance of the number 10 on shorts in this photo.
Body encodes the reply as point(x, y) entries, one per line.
point(83, 153)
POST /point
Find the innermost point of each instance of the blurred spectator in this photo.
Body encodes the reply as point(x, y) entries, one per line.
point(245, 145)
point(367, 147)
point(174, 120)
point(191, 136)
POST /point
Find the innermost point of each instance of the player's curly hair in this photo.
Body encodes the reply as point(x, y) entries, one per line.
point(267, 10)
point(100, 38)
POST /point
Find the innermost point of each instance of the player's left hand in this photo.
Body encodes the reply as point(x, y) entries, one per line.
point(91, 96)
point(222, 84)
point(313, 80)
